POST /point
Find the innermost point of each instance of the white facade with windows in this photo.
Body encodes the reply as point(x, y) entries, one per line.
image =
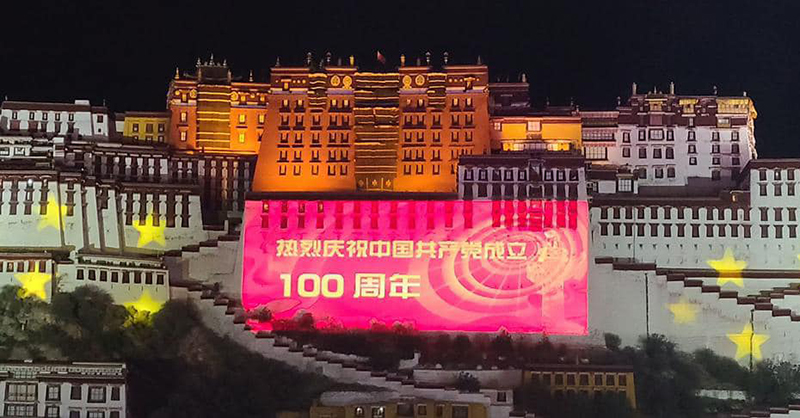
point(63, 390)
point(79, 118)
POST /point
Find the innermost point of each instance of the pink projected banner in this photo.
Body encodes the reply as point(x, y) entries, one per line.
point(472, 266)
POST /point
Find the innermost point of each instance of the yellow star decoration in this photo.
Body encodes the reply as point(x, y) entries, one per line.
point(54, 216)
point(743, 345)
point(683, 311)
point(33, 284)
point(145, 303)
point(729, 268)
point(150, 233)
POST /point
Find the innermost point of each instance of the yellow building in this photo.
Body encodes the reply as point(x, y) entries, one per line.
point(147, 126)
point(591, 380)
point(378, 405)
point(534, 132)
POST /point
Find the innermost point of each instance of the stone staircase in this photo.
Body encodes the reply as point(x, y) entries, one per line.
point(766, 300)
point(225, 316)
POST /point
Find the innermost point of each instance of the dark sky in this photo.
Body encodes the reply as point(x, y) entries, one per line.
point(126, 52)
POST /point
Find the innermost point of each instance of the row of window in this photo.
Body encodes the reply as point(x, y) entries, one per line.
point(53, 411)
point(299, 137)
point(148, 138)
point(46, 116)
point(436, 136)
point(776, 174)
point(407, 410)
point(21, 266)
point(583, 379)
point(334, 155)
point(148, 276)
point(507, 174)
point(722, 231)
point(184, 118)
point(297, 169)
point(455, 120)
point(27, 392)
point(526, 191)
point(148, 128)
point(418, 168)
point(666, 212)
point(316, 119)
point(659, 135)
point(777, 189)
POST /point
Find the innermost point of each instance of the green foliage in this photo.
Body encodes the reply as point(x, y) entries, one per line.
point(613, 342)
point(725, 372)
point(177, 366)
point(466, 382)
point(774, 383)
point(667, 380)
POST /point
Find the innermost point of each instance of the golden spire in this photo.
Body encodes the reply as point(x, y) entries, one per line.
point(177, 73)
point(251, 76)
point(352, 61)
point(402, 60)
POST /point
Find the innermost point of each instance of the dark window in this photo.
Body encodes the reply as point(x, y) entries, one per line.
point(460, 411)
point(642, 152)
point(422, 409)
point(115, 393)
point(405, 409)
point(75, 392)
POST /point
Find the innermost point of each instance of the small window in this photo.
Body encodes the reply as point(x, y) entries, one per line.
point(359, 412)
point(626, 152)
point(422, 409)
point(53, 393)
point(626, 136)
point(460, 411)
point(378, 412)
point(97, 394)
point(642, 135)
point(75, 392)
point(642, 152)
point(242, 119)
point(690, 136)
point(439, 410)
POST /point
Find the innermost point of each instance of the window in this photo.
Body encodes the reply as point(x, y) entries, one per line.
point(502, 396)
point(51, 411)
point(183, 136)
point(778, 189)
point(691, 136)
point(115, 390)
point(623, 380)
point(113, 414)
point(95, 414)
point(670, 153)
point(734, 148)
point(534, 126)
point(670, 172)
point(642, 172)
point(626, 152)
point(642, 135)
point(715, 160)
point(715, 149)
point(422, 409)
point(20, 410)
point(692, 149)
point(53, 393)
point(241, 137)
point(715, 136)
point(762, 189)
point(670, 135)
point(439, 410)
point(135, 127)
point(692, 160)
point(405, 410)
point(734, 136)
point(71, 117)
point(97, 394)
point(359, 412)
point(378, 412)
point(659, 172)
point(460, 411)
point(31, 115)
point(75, 392)
point(626, 136)
point(21, 392)
point(715, 175)
point(15, 115)
point(656, 134)
point(184, 117)
point(657, 153)
point(642, 152)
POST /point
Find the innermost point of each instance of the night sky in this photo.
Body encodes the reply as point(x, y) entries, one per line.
point(126, 52)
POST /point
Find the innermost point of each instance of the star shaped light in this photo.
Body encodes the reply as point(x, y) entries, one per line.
point(149, 232)
point(54, 217)
point(33, 284)
point(683, 311)
point(729, 268)
point(744, 345)
point(145, 303)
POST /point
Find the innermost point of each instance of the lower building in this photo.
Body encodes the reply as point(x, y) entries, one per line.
point(567, 380)
point(389, 405)
point(74, 390)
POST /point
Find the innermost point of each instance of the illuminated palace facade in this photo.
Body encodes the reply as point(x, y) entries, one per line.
point(336, 128)
point(690, 234)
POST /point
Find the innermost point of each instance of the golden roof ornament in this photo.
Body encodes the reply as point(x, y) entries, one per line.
point(177, 73)
point(402, 60)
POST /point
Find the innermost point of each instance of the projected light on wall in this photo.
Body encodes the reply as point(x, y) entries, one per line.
point(436, 265)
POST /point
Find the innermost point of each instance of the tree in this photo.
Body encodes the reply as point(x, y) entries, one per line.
point(666, 380)
point(466, 382)
point(613, 342)
point(774, 383)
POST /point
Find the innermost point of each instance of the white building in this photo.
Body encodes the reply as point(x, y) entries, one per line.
point(79, 119)
point(674, 140)
point(63, 390)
